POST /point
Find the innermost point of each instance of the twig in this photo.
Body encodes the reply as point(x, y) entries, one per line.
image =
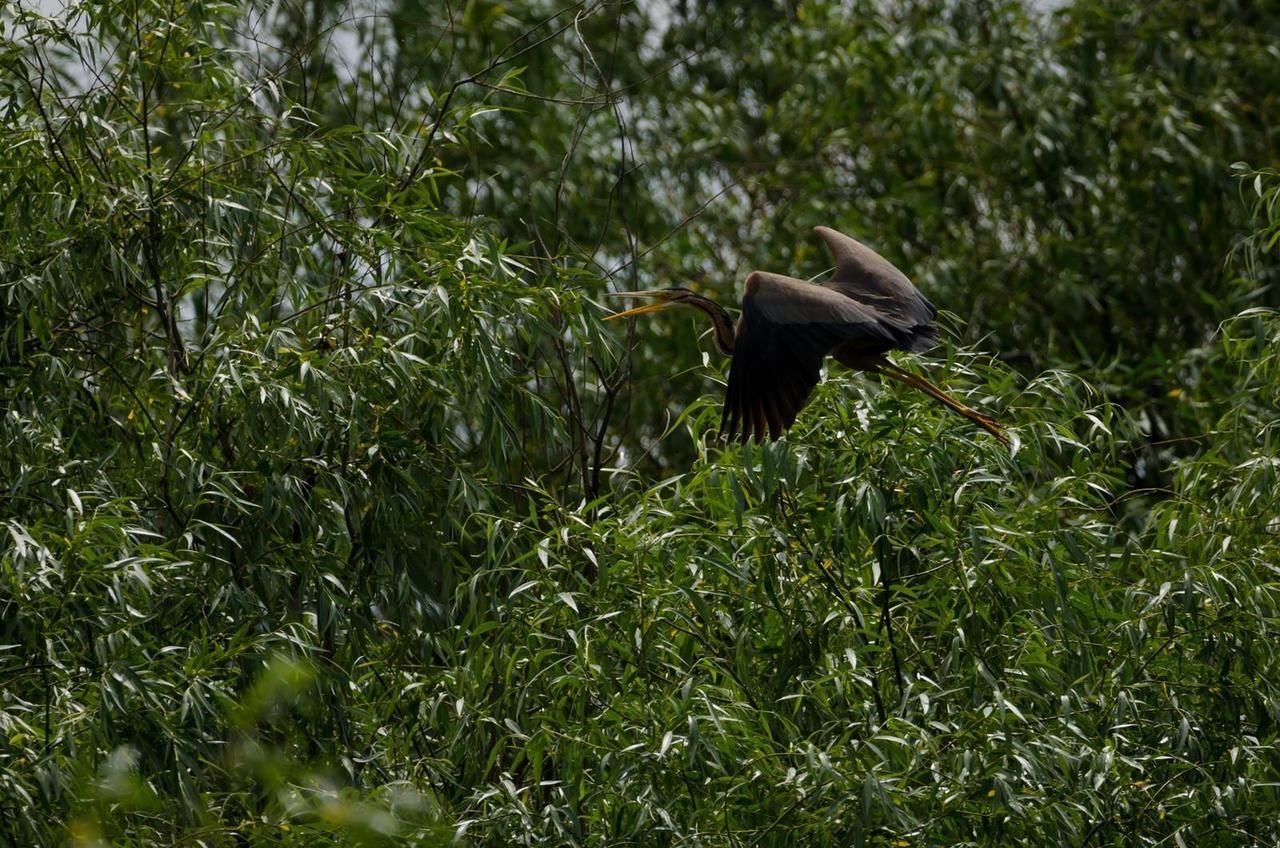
point(503, 58)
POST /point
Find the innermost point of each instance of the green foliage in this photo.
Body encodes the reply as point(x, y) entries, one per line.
point(333, 514)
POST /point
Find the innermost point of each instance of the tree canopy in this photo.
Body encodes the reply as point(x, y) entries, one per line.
point(332, 513)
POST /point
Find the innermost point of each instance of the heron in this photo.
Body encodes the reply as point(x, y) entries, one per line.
point(789, 327)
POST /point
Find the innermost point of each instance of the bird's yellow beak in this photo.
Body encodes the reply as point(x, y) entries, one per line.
point(663, 298)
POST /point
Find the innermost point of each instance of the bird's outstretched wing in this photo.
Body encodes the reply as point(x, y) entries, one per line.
point(869, 278)
point(788, 327)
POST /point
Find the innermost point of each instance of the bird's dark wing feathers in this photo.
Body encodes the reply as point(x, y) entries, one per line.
point(788, 327)
point(869, 278)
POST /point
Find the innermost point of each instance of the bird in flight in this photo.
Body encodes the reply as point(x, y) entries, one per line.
point(788, 327)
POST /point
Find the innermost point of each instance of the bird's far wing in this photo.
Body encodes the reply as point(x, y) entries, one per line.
point(866, 276)
point(788, 327)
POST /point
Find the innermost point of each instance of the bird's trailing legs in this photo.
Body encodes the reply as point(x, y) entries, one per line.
point(917, 382)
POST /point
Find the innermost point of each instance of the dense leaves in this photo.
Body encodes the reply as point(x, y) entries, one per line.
point(332, 513)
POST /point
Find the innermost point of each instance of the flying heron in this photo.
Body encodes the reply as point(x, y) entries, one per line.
point(788, 327)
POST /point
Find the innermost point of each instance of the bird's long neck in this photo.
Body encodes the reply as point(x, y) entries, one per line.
point(719, 319)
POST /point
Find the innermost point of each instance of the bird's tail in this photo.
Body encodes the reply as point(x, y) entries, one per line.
point(918, 382)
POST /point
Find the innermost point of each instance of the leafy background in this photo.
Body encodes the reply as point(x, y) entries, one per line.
point(333, 514)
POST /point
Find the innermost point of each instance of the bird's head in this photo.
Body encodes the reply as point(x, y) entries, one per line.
point(663, 299)
point(681, 296)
